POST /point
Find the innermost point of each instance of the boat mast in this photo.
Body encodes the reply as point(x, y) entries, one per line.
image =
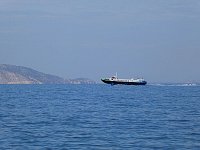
point(116, 75)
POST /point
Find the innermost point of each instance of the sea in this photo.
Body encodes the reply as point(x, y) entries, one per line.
point(99, 117)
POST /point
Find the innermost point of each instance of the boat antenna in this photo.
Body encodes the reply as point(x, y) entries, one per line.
point(116, 74)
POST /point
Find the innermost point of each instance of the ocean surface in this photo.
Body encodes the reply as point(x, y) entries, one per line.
point(99, 117)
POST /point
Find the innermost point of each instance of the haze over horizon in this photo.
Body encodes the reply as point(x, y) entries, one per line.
point(154, 39)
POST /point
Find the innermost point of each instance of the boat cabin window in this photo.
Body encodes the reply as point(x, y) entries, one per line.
point(113, 77)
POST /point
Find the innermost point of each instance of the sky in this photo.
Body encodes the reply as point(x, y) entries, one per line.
point(158, 40)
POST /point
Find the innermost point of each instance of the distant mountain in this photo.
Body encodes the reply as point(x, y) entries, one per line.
point(80, 81)
point(11, 74)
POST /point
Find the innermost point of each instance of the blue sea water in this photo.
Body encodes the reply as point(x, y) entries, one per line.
point(99, 117)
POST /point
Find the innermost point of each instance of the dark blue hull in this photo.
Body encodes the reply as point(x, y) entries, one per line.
point(123, 83)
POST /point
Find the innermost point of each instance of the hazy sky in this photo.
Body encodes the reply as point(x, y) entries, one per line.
point(155, 39)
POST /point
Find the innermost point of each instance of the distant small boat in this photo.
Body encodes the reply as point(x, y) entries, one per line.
point(114, 81)
point(189, 84)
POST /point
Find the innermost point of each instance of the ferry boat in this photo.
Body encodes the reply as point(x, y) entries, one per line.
point(114, 81)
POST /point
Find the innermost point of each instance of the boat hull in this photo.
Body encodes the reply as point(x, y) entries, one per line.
point(123, 83)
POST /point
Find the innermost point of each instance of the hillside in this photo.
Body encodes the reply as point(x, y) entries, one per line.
point(11, 74)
